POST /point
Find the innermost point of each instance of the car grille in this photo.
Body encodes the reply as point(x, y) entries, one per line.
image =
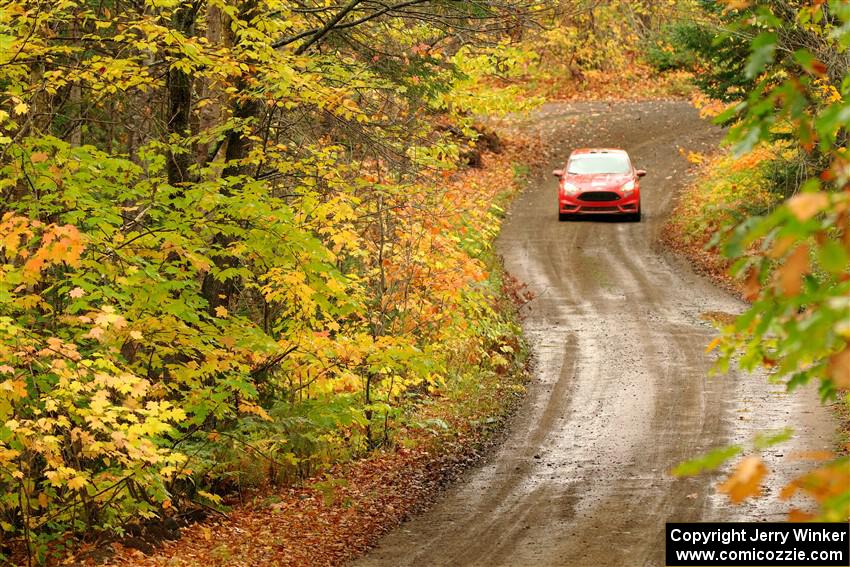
point(601, 209)
point(599, 196)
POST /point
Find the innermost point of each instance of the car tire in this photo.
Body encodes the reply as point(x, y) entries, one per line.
point(635, 217)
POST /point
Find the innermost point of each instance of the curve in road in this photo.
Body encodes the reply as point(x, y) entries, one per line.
point(621, 390)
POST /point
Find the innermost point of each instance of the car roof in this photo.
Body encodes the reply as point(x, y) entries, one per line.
point(582, 151)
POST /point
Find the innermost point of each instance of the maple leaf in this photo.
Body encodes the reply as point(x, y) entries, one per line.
point(221, 311)
point(77, 292)
point(77, 483)
point(745, 481)
point(95, 333)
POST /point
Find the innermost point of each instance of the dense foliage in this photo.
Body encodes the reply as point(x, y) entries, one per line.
point(799, 322)
point(782, 206)
point(231, 249)
point(228, 249)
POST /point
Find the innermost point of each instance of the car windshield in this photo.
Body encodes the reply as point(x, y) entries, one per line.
point(589, 164)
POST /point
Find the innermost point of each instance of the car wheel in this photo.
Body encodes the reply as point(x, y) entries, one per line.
point(636, 216)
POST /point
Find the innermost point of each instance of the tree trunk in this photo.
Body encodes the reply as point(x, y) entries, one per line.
point(219, 293)
point(179, 85)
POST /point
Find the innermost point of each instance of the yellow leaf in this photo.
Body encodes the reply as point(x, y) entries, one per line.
point(221, 312)
point(712, 345)
point(21, 108)
point(248, 407)
point(18, 388)
point(38, 157)
point(77, 482)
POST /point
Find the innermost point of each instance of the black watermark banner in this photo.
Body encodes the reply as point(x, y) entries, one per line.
point(762, 544)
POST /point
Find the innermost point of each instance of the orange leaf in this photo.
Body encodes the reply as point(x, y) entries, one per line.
point(812, 456)
point(745, 481)
point(752, 285)
point(737, 4)
point(781, 246)
point(818, 68)
point(792, 271)
point(806, 205)
point(795, 515)
point(16, 388)
point(839, 369)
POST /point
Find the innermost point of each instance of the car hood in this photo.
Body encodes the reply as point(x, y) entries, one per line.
point(599, 181)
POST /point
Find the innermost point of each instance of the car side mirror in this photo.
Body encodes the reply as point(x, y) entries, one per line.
point(640, 172)
point(558, 173)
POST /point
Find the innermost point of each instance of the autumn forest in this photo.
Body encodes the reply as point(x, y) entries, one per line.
point(247, 247)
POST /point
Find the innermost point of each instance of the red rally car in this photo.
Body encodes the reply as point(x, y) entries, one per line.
point(599, 181)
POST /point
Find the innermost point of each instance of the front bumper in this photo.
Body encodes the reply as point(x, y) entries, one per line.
point(573, 205)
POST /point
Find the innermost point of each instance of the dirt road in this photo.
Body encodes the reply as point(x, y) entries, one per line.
point(621, 390)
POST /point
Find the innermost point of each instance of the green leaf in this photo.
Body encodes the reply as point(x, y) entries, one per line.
point(708, 461)
point(766, 440)
point(763, 50)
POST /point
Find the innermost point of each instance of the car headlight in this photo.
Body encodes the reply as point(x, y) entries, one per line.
point(569, 189)
point(628, 187)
